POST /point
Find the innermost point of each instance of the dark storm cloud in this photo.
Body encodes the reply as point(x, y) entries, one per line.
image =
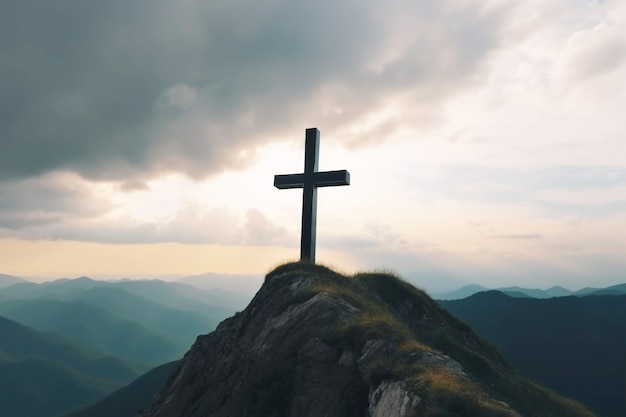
point(53, 199)
point(124, 89)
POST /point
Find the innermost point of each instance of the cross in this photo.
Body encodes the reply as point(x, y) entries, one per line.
point(309, 181)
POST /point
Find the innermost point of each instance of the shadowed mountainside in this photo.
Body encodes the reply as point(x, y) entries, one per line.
point(575, 345)
point(43, 374)
point(128, 401)
point(22, 342)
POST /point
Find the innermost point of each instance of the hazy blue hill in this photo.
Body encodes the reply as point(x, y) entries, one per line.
point(181, 326)
point(573, 344)
point(469, 290)
point(18, 342)
point(613, 290)
point(171, 294)
point(126, 401)
point(57, 287)
point(462, 292)
point(515, 294)
point(8, 280)
point(20, 289)
point(94, 326)
point(238, 285)
point(558, 291)
point(180, 296)
point(42, 388)
point(530, 292)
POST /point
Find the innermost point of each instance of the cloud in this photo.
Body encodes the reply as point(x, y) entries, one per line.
point(594, 52)
point(194, 222)
point(125, 90)
point(258, 229)
point(52, 199)
point(383, 234)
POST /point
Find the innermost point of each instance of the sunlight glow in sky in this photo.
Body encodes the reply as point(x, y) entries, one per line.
point(485, 139)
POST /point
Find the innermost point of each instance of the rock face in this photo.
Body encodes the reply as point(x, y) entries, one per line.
point(313, 343)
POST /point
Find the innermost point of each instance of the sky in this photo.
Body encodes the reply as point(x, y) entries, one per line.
point(485, 139)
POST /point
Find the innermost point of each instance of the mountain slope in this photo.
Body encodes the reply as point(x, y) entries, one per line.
point(43, 374)
point(95, 326)
point(612, 290)
point(8, 280)
point(316, 343)
point(41, 388)
point(20, 342)
point(208, 303)
point(127, 401)
point(462, 292)
point(178, 325)
point(574, 345)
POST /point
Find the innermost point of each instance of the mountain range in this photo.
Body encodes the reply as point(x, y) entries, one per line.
point(521, 292)
point(97, 339)
point(94, 337)
point(42, 374)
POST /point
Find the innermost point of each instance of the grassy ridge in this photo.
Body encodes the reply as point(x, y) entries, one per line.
point(393, 310)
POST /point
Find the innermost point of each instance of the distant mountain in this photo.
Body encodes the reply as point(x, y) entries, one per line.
point(243, 284)
point(43, 388)
point(515, 294)
point(521, 292)
point(57, 287)
point(575, 345)
point(170, 294)
point(8, 280)
point(462, 292)
point(612, 290)
point(95, 326)
point(127, 401)
point(43, 374)
point(184, 297)
point(152, 321)
point(108, 328)
point(181, 326)
point(20, 342)
point(558, 291)
point(528, 292)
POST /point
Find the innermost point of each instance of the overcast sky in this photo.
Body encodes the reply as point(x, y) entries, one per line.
point(485, 139)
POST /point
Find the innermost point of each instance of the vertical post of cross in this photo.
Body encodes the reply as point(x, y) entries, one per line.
point(309, 195)
point(309, 181)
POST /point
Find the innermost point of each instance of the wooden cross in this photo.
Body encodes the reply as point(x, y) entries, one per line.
point(309, 181)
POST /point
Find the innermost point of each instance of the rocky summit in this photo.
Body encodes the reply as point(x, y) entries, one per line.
point(315, 343)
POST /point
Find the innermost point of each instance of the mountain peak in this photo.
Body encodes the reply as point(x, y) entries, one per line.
point(317, 343)
point(8, 280)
